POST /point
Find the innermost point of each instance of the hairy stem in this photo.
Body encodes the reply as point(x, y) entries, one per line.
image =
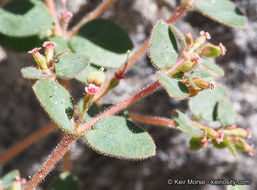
point(51, 7)
point(50, 162)
point(178, 13)
point(66, 160)
point(94, 14)
point(152, 120)
point(27, 142)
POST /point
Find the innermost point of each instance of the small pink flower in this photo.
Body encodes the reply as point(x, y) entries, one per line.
point(91, 89)
point(249, 134)
point(212, 85)
point(20, 180)
point(220, 136)
point(196, 59)
point(204, 141)
point(49, 44)
point(34, 51)
point(205, 34)
point(222, 49)
point(66, 16)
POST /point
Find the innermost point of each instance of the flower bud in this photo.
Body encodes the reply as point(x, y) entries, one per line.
point(96, 77)
point(39, 58)
point(209, 50)
point(205, 34)
point(49, 51)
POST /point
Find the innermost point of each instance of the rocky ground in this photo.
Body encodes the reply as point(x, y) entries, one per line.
point(21, 113)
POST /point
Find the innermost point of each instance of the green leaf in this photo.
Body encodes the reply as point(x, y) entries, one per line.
point(203, 75)
point(223, 11)
point(230, 146)
point(70, 65)
point(203, 106)
point(62, 43)
point(9, 179)
point(212, 66)
point(174, 87)
point(163, 47)
point(22, 44)
point(56, 101)
point(34, 73)
point(218, 145)
point(236, 187)
point(24, 18)
point(195, 144)
point(65, 181)
point(183, 123)
point(117, 137)
point(180, 36)
point(104, 42)
point(82, 77)
point(226, 114)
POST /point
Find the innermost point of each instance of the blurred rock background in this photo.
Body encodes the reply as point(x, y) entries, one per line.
point(21, 114)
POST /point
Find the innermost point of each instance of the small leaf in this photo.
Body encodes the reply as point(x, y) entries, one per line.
point(9, 179)
point(70, 65)
point(195, 144)
point(235, 187)
point(226, 114)
point(174, 87)
point(104, 42)
point(203, 106)
point(180, 36)
point(163, 47)
point(223, 11)
point(34, 73)
point(65, 181)
point(56, 101)
point(82, 77)
point(24, 18)
point(117, 137)
point(62, 43)
point(212, 66)
point(203, 75)
point(230, 146)
point(218, 145)
point(183, 124)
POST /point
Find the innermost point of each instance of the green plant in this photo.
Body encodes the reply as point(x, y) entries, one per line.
point(94, 45)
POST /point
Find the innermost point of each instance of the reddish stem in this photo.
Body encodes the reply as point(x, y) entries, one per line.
point(152, 120)
point(179, 12)
point(50, 162)
point(27, 142)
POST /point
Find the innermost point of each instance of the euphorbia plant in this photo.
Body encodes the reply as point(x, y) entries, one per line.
point(94, 45)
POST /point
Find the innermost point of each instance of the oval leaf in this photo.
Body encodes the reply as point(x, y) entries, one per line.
point(174, 87)
point(223, 11)
point(195, 144)
point(163, 47)
point(34, 73)
point(203, 75)
point(212, 66)
point(56, 101)
point(65, 181)
point(104, 42)
point(183, 123)
point(24, 18)
point(117, 137)
point(9, 179)
point(70, 65)
point(226, 114)
point(61, 43)
point(203, 106)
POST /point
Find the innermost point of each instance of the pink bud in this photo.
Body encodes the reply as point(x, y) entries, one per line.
point(205, 34)
point(91, 89)
point(249, 134)
point(204, 141)
point(212, 85)
point(34, 51)
point(222, 49)
point(49, 44)
point(66, 16)
point(220, 136)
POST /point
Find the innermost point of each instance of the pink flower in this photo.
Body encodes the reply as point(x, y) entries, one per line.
point(205, 34)
point(220, 136)
point(249, 134)
point(34, 51)
point(49, 44)
point(66, 16)
point(204, 141)
point(91, 89)
point(212, 85)
point(222, 49)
